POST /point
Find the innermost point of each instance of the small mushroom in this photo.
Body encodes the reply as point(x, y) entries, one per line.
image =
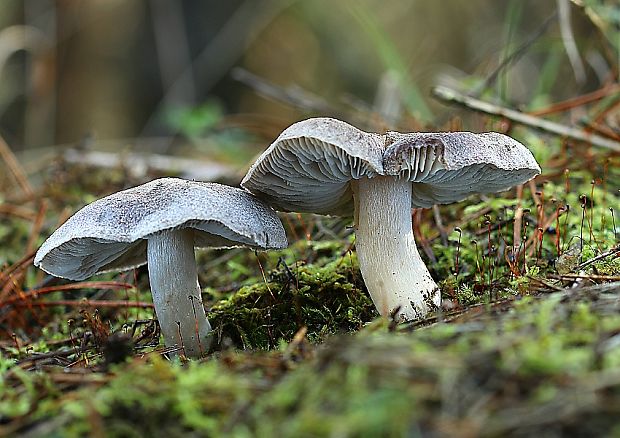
point(327, 166)
point(161, 223)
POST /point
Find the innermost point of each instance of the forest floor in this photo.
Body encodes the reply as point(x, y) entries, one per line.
point(526, 343)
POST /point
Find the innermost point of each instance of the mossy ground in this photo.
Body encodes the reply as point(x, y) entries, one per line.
point(540, 365)
point(523, 345)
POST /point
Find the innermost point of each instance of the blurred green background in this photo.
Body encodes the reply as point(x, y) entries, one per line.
point(121, 70)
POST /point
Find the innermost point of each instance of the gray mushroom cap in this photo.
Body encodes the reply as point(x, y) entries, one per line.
point(447, 167)
point(309, 167)
point(110, 234)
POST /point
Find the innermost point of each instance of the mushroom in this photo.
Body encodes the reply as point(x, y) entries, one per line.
point(161, 222)
point(327, 166)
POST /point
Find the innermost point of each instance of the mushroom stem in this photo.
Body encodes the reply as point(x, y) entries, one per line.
point(176, 292)
point(393, 271)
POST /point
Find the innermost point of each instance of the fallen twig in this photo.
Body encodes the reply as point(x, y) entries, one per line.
point(20, 176)
point(577, 101)
point(586, 276)
point(17, 211)
point(35, 293)
point(140, 164)
point(602, 129)
point(10, 274)
point(453, 96)
point(87, 303)
point(293, 96)
point(545, 283)
point(614, 250)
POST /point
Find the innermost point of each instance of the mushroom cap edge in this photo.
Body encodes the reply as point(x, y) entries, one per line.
point(109, 234)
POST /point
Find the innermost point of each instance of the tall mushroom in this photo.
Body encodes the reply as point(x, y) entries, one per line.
point(327, 166)
point(161, 223)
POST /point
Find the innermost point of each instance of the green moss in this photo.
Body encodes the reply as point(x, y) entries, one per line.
point(326, 299)
point(529, 357)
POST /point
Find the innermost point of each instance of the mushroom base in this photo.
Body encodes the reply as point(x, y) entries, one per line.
point(176, 292)
point(394, 273)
